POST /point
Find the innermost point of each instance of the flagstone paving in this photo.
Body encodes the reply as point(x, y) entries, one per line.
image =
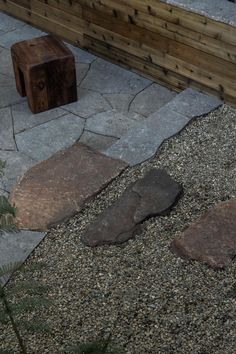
point(118, 112)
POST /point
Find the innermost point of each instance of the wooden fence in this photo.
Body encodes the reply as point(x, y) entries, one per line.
point(168, 44)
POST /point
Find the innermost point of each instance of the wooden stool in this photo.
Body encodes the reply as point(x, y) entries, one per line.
point(45, 72)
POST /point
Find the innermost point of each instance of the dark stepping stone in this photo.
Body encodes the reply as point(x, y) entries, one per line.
point(212, 238)
point(152, 195)
point(55, 189)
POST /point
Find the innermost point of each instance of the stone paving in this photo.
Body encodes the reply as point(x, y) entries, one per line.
point(118, 112)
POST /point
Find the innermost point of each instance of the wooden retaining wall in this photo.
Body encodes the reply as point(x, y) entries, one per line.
point(173, 46)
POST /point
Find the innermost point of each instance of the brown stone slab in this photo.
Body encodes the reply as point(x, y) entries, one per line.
point(57, 188)
point(212, 238)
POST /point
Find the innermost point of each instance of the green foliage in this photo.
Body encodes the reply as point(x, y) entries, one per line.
point(97, 347)
point(7, 214)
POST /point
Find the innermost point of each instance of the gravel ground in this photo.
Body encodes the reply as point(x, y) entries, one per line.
point(150, 300)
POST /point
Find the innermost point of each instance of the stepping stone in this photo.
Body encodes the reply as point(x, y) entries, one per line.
point(58, 188)
point(16, 247)
point(88, 104)
point(81, 56)
point(7, 141)
point(96, 141)
point(43, 141)
point(81, 72)
point(119, 101)
point(24, 119)
point(152, 195)
point(151, 99)
point(112, 123)
point(16, 164)
point(20, 34)
point(6, 66)
point(212, 238)
point(142, 141)
point(8, 23)
point(193, 103)
point(8, 93)
point(105, 77)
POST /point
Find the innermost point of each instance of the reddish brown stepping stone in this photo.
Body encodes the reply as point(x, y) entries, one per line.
point(57, 188)
point(212, 239)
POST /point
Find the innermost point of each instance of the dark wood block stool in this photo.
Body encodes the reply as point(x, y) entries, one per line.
point(45, 72)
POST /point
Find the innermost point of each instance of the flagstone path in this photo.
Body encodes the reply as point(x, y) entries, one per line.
point(118, 112)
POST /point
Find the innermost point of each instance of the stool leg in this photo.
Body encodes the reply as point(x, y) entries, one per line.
point(20, 80)
point(36, 89)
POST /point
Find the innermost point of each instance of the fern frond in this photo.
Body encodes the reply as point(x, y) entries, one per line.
point(6, 207)
point(97, 347)
point(9, 268)
point(29, 304)
point(35, 326)
point(7, 214)
point(4, 319)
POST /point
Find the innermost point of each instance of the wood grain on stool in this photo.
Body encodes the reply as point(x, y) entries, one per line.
point(45, 72)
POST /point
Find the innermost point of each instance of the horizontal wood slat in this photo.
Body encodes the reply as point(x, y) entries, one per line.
point(171, 45)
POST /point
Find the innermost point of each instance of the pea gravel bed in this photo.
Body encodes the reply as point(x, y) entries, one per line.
point(150, 300)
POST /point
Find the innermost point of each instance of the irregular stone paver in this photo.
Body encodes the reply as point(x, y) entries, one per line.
point(105, 77)
point(119, 101)
point(113, 123)
point(96, 141)
point(193, 103)
point(17, 246)
point(57, 188)
point(8, 23)
point(6, 66)
point(212, 238)
point(8, 93)
point(7, 141)
point(24, 119)
point(81, 72)
point(27, 32)
point(16, 164)
point(81, 56)
point(152, 195)
point(43, 141)
point(88, 103)
point(141, 142)
point(151, 99)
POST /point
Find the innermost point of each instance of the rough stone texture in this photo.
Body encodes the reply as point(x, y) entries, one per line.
point(105, 77)
point(8, 93)
point(212, 238)
point(44, 140)
point(6, 67)
point(152, 195)
point(151, 99)
point(59, 187)
point(17, 246)
point(9, 38)
point(221, 10)
point(96, 141)
point(81, 56)
point(6, 130)
point(81, 72)
point(141, 142)
point(16, 164)
point(119, 101)
point(113, 123)
point(88, 103)
point(8, 23)
point(193, 103)
point(24, 119)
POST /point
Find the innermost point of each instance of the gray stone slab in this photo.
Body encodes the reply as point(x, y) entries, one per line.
point(193, 103)
point(119, 101)
point(17, 246)
point(26, 32)
point(221, 10)
point(6, 66)
point(151, 99)
point(106, 77)
point(8, 92)
point(112, 123)
point(81, 56)
point(88, 103)
point(142, 142)
point(81, 72)
point(7, 141)
point(16, 164)
point(8, 23)
point(43, 141)
point(96, 141)
point(24, 119)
